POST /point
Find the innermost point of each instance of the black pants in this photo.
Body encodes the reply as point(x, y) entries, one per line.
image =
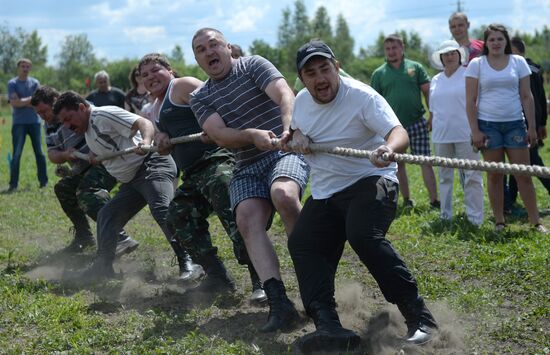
point(511, 195)
point(361, 214)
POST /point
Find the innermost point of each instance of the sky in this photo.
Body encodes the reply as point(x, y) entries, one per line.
point(131, 28)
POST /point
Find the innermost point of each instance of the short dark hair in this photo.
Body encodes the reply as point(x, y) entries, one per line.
point(236, 50)
point(394, 37)
point(68, 100)
point(154, 58)
point(204, 30)
point(458, 14)
point(495, 27)
point(518, 44)
point(44, 94)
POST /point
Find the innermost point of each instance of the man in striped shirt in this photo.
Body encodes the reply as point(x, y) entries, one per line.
point(244, 104)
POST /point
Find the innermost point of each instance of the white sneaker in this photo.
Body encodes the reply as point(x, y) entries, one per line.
point(126, 246)
point(258, 296)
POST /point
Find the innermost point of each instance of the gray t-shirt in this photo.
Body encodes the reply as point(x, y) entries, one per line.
point(241, 101)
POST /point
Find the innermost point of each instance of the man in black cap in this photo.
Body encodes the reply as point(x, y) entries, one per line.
point(352, 199)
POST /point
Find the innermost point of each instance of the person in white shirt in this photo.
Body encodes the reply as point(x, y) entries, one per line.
point(451, 131)
point(498, 100)
point(352, 199)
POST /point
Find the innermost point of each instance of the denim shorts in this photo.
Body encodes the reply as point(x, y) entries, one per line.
point(254, 180)
point(509, 134)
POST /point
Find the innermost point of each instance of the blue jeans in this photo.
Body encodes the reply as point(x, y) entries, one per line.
point(18, 134)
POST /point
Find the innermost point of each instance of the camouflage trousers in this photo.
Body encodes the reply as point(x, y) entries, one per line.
point(205, 190)
point(84, 194)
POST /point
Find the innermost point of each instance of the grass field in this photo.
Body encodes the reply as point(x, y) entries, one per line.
point(490, 292)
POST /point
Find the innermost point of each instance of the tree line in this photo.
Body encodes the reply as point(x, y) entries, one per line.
point(77, 63)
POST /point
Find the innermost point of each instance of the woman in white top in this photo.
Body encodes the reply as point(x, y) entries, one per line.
point(451, 131)
point(498, 99)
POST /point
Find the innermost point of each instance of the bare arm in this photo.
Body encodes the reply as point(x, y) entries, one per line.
point(182, 87)
point(17, 102)
point(478, 138)
point(232, 138)
point(60, 156)
point(279, 91)
point(528, 104)
point(425, 88)
point(145, 127)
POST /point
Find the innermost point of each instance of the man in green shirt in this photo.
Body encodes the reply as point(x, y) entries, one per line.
point(401, 81)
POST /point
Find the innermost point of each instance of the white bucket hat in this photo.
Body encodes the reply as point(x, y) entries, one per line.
point(446, 47)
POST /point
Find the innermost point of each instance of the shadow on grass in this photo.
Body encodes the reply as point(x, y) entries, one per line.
point(464, 230)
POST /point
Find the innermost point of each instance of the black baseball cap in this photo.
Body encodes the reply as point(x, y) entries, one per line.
point(311, 49)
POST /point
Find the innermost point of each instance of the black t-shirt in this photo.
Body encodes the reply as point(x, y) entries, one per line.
point(113, 97)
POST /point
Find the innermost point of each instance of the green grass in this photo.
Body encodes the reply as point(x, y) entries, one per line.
point(493, 288)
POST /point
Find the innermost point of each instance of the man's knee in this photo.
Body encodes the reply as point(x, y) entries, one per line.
point(284, 197)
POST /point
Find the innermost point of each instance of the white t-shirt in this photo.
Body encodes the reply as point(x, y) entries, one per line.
point(498, 96)
point(448, 106)
point(109, 130)
point(359, 118)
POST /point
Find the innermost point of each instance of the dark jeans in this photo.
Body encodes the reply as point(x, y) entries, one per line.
point(18, 135)
point(152, 185)
point(511, 191)
point(360, 214)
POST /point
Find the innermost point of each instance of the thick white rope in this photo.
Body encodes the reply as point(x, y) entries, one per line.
point(465, 164)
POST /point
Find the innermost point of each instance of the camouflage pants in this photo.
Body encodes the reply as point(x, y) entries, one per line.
point(84, 194)
point(202, 192)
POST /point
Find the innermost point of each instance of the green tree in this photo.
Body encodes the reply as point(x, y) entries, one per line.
point(11, 45)
point(77, 62)
point(34, 50)
point(343, 42)
point(176, 56)
point(273, 54)
point(320, 26)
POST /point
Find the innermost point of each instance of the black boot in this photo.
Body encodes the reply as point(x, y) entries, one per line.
point(258, 294)
point(421, 325)
point(329, 334)
point(217, 277)
point(83, 238)
point(189, 271)
point(282, 314)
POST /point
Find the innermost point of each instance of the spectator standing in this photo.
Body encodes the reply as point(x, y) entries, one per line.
point(451, 131)
point(537, 89)
point(459, 26)
point(498, 101)
point(105, 94)
point(25, 122)
point(402, 82)
point(138, 96)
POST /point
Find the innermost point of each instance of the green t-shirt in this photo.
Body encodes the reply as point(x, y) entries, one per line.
point(401, 88)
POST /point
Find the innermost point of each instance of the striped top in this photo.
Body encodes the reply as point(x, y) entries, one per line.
point(110, 130)
point(241, 101)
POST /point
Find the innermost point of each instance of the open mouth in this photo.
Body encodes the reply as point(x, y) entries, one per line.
point(213, 62)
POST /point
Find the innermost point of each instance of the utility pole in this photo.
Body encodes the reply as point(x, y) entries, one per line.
point(459, 6)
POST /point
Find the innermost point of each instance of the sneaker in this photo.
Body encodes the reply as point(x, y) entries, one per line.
point(420, 335)
point(499, 227)
point(435, 204)
point(258, 296)
point(126, 246)
point(540, 228)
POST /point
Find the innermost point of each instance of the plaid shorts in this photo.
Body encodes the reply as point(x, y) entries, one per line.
point(419, 138)
point(254, 180)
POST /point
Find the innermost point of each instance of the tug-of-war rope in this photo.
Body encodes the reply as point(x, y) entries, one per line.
point(465, 164)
